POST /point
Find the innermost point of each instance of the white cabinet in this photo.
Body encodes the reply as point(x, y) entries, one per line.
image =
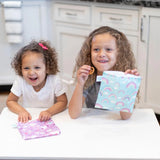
point(149, 58)
point(69, 42)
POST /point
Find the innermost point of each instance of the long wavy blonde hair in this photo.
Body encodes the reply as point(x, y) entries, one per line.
point(125, 58)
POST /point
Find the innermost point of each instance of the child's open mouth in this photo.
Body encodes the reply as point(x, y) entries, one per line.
point(33, 79)
point(102, 61)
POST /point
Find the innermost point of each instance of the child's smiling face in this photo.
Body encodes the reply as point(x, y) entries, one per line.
point(103, 52)
point(34, 70)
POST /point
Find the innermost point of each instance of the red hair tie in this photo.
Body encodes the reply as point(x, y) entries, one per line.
point(44, 47)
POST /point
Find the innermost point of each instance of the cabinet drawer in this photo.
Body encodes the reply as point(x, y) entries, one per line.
point(116, 18)
point(72, 13)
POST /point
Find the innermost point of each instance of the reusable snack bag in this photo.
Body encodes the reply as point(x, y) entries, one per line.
point(37, 129)
point(117, 91)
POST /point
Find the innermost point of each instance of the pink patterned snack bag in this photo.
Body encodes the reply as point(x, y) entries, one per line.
point(37, 129)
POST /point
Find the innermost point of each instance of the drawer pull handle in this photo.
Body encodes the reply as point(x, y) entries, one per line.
point(71, 14)
point(142, 28)
point(115, 19)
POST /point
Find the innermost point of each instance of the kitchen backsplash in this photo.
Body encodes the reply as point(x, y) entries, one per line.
point(146, 3)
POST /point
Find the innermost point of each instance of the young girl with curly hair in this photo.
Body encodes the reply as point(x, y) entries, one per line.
point(37, 82)
point(104, 49)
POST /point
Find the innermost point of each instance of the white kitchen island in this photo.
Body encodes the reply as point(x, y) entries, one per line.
point(97, 134)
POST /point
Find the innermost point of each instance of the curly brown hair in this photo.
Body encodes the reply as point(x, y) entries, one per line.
point(49, 56)
point(125, 58)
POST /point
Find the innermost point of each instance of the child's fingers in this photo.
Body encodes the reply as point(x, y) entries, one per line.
point(29, 117)
point(40, 118)
point(134, 72)
point(81, 71)
point(86, 69)
point(23, 119)
point(19, 119)
point(128, 71)
point(44, 116)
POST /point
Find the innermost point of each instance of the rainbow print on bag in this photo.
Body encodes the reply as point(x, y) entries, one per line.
point(117, 91)
point(37, 129)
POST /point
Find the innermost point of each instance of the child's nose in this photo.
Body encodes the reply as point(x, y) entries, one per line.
point(31, 71)
point(102, 52)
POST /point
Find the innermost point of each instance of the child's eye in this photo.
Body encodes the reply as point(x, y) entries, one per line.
point(108, 49)
point(37, 67)
point(26, 68)
point(96, 49)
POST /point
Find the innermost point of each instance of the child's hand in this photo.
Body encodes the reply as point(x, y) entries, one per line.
point(82, 74)
point(134, 72)
point(44, 116)
point(24, 117)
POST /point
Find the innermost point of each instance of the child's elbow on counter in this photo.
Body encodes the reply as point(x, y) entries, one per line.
point(73, 115)
point(125, 115)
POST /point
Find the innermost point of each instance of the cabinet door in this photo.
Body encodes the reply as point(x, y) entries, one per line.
point(69, 42)
point(35, 20)
point(149, 59)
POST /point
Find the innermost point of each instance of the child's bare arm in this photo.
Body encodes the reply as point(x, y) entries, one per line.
point(77, 99)
point(59, 106)
point(76, 102)
point(12, 104)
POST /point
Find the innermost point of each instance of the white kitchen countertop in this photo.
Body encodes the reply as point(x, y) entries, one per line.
point(97, 134)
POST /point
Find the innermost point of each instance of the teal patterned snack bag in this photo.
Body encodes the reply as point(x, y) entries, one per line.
point(117, 91)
